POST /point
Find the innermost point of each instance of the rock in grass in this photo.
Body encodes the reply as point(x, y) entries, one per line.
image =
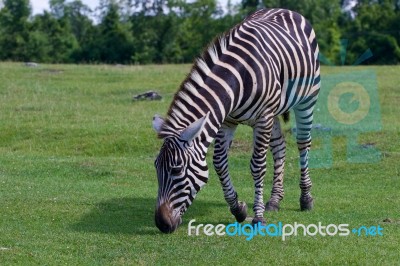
point(150, 95)
point(31, 64)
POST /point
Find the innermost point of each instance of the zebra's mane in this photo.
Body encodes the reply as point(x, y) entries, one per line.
point(208, 58)
point(201, 67)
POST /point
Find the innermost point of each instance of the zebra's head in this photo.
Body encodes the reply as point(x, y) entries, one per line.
point(181, 171)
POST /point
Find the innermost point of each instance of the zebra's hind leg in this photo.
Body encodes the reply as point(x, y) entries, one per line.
point(277, 146)
point(223, 142)
point(261, 137)
point(304, 117)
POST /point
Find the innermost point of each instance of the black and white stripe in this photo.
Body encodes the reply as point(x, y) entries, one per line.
point(261, 68)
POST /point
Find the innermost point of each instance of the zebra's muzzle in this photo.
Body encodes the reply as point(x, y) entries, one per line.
point(165, 220)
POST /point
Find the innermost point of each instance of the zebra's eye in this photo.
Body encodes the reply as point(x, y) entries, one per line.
point(176, 170)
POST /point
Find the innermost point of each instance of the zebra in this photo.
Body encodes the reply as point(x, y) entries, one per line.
point(253, 73)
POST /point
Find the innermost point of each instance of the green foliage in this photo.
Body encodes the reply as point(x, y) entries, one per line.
point(60, 43)
point(197, 28)
point(249, 6)
point(375, 26)
point(154, 38)
point(159, 31)
point(14, 29)
point(116, 41)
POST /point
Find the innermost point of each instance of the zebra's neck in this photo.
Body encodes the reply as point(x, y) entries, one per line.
point(202, 92)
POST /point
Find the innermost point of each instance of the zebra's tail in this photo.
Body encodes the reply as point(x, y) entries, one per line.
point(286, 117)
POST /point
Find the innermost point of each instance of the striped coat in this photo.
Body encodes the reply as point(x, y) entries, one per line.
point(259, 69)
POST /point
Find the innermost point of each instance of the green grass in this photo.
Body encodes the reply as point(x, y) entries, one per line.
point(78, 186)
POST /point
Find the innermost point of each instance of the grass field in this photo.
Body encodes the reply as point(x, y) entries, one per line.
point(78, 186)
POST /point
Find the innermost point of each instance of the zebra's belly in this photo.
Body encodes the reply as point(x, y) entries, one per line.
point(249, 119)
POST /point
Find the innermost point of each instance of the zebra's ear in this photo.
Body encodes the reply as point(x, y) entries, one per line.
point(158, 121)
point(194, 130)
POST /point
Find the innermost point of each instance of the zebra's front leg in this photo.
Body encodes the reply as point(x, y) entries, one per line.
point(277, 146)
point(223, 142)
point(261, 138)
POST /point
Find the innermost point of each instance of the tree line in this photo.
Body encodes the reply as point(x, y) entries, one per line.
point(175, 31)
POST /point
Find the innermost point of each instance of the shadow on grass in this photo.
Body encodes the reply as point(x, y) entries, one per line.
point(133, 216)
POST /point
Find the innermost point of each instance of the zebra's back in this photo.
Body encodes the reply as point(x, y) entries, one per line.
point(280, 47)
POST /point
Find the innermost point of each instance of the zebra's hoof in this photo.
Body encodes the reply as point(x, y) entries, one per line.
point(306, 204)
point(272, 206)
point(258, 220)
point(240, 212)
